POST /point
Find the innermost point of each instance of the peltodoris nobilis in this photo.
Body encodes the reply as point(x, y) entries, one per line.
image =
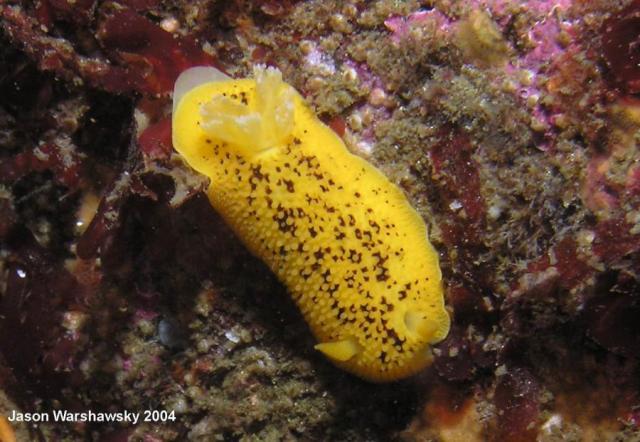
point(345, 241)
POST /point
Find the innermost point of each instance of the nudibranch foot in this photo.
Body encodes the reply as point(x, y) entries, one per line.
point(341, 351)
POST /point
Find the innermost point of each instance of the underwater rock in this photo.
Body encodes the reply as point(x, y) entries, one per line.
point(620, 42)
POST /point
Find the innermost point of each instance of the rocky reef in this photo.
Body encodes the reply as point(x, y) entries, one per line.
point(512, 126)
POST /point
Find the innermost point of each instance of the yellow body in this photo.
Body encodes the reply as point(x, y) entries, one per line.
point(344, 240)
point(6, 432)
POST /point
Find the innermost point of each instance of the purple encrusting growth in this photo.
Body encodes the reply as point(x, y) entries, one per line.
point(400, 27)
point(549, 37)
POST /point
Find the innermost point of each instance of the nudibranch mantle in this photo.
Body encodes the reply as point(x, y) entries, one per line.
point(345, 241)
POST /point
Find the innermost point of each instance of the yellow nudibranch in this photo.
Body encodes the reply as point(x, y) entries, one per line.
point(345, 241)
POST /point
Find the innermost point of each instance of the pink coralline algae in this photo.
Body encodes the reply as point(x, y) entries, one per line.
point(553, 54)
point(400, 27)
point(545, 35)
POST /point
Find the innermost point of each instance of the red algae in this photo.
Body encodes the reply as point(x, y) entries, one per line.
point(572, 269)
point(78, 11)
point(613, 321)
point(141, 5)
point(63, 162)
point(453, 361)
point(38, 292)
point(58, 56)
point(611, 315)
point(469, 305)
point(614, 239)
point(518, 405)
point(153, 57)
point(105, 221)
point(150, 58)
point(338, 125)
point(457, 175)
point(8, 217)
point(155, 140)
point(621, 43)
